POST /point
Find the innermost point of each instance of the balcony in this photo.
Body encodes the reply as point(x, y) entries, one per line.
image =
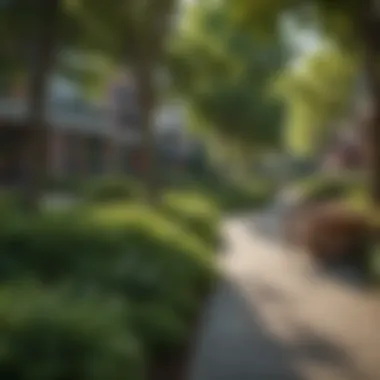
point(70, 116)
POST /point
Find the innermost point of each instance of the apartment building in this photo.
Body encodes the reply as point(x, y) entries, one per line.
point(86, 138)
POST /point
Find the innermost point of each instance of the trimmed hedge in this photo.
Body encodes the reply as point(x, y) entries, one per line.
point(195, 212)
point(117, 250)
point(46, 334)
point(10, 202)
point(246, 196)
point(233, 196)
point(319, 188)
point(157, 262)
point(107, 189)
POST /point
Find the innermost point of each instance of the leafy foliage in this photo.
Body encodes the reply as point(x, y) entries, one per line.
point(49, 334)
point(322, 187)
point(316, 94)
point(195, 212)
point(129, 251)
point(110, 189)
point(223, 73)
point(337, 18)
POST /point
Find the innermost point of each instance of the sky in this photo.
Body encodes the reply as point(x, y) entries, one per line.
point(307, 41)
point(303, 41)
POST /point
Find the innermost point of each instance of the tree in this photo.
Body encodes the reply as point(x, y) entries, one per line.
point(354, 24)
point(42, 60)
point(131, 32)
point(224, 74)
point(317, 94)
point(134, 32)
point(35, 31)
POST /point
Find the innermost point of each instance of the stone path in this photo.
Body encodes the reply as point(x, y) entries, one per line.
point(274, 318)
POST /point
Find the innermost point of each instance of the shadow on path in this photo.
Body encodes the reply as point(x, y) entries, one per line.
point(235, 343)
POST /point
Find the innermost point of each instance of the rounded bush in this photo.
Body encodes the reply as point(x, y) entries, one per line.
point(164, 271)
point(319, 188)
point(46, 334)
point(233, 196)
point(194, 212)
point(110, 189)
point(10, 202)
point(156, 250)
point(128, 250)
point(333, 233)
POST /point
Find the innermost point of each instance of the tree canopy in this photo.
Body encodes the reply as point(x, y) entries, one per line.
point(317, 96)
point(224, 74)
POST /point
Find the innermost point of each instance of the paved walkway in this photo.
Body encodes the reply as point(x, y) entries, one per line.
point(274, 318)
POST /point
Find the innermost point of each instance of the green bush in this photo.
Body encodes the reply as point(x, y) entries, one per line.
point(46, 334)
point(359, 201)
point(163, 270)
point(53, 246)
point(123, 249)
point(156, 248)
point(374, 264)
point(10, 202)
point(226, 194)
point(194, 212)
point(244, 196)
point(319, 188)
point(110, 189)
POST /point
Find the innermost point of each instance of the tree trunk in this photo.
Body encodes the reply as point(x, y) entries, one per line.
point(147, 102)
point(43, 46)
point(370, 31)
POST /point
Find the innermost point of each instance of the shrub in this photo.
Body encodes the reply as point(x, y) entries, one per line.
point(110, 189)
point(194, 212)
point(334, 233)
point(374, 265)
point(163, 270)
point(171, 258)
point(244, 196)
point(319, 188)
point(359, 201)
point(52, 245)
point(316, 190)
point(234, 196)
point(124, 249)
point(49, 335)
point(10, 202)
